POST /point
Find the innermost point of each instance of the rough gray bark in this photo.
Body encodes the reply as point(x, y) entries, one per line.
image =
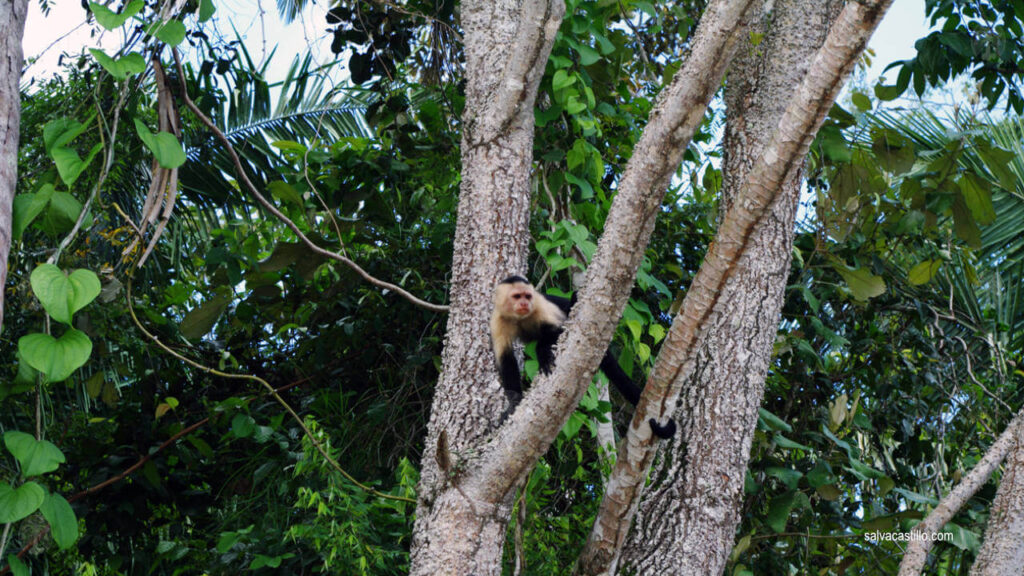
point(12, 29)
point(917, 550)
point(466, 490)
point(456, 533)
point(778, 162)
point(687, 523)
point(1002, 551)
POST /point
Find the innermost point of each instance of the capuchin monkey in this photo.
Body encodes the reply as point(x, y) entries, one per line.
point(523, 313)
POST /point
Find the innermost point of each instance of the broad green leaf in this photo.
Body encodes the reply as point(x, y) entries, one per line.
point(64, 206)
point(243, 425)
point(202, 319)
point(574, 106)
point(863, 284)
point(924, 272)
point(915, 497)
point(56, 358)
point(171, 32)
point(35, 456)
point(787, 444)
point(771, 421)
point(58, 133)
point(998, 161)
point(63, 524)
point(778, 511)
point(787, 476)
point(18, 568)
point(863, 471)
point(131, 63)
point(829, 492)
point(895, 152)
point(562, 80)
point(164, 146)
point(586, 190)
point(820, 475)
point(978, 198)
point(963, 538)
point(110, 20)
point(62, 295)
point(69, 165)
point(587, 54)
point(861, 101)
point(285, 192)
point(964, 225)
point(24, 380)
point(227, 541)
point(27, 207)
point(18, 504)
point(206, 10)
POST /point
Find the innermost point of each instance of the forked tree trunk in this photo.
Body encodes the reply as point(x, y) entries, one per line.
point(781, 158)
point(687, 523)
point(12, 29)
point(507, 43)
point(1002, 551)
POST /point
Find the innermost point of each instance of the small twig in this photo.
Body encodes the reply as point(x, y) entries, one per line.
point(970, 373)
point(243, 178)
point(123, 95)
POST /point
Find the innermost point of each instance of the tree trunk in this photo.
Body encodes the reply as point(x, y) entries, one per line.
point(453, 534)
point(12, 28)
point(1003, 549)
point(687, 524)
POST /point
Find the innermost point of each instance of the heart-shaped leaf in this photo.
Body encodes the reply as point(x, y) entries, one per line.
point(18, 504)
point(63, 524)
point(63, 295)
point(164, 146)
point(57, 358)
point(170, 32)
point(109, 19)
point(28, 206)
point(130, 63)
point(35, 456)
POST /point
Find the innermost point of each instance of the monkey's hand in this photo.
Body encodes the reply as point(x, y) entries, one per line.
point(663, 431)
point(514, 397)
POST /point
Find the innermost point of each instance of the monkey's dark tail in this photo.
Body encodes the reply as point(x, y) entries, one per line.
point(665, 431)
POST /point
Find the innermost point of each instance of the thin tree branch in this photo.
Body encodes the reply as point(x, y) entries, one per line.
point(243, 178)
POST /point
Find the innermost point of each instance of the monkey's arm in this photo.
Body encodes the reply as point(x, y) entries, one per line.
point(508, 369)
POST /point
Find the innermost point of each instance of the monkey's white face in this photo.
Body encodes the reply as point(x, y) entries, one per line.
point(520, 301)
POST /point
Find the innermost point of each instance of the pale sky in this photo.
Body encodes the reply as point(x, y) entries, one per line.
point(894, 40)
